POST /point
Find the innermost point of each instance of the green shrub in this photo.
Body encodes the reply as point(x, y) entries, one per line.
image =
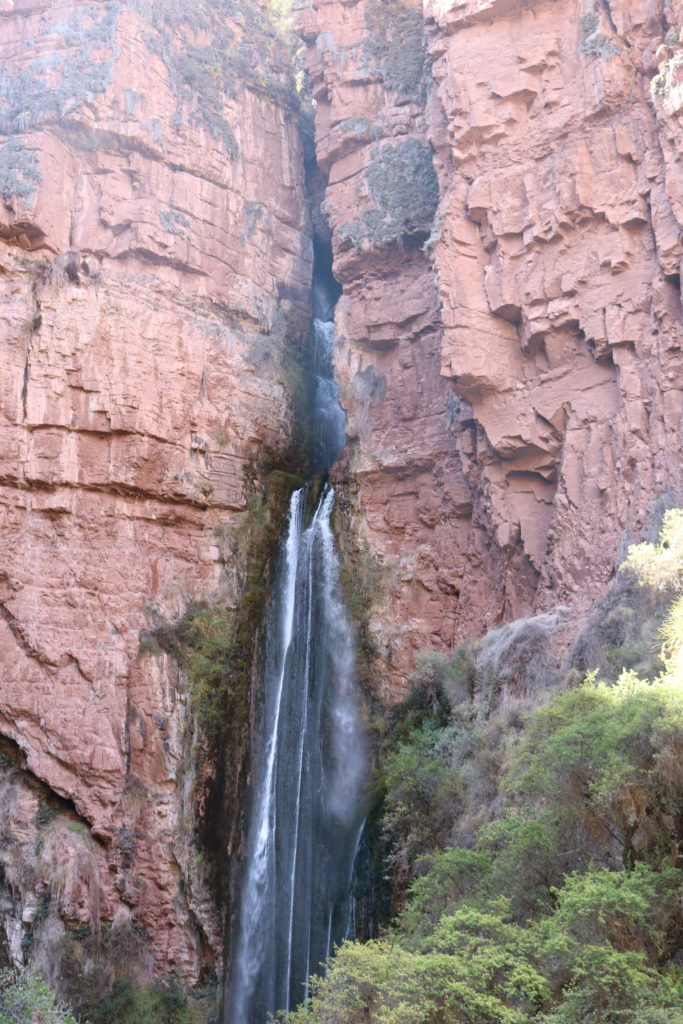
point(25, 99)
point(404, 190)
point(524, 848)
point(386, 984)
point(622, 632)
point(423, 797)
point(595, 43)
point(163, 1003)
point(25, 997)
point(454, 875)
point(19, 174)
point(627, 910)
point(607, 987)
point(395, 45)
point(603, 758)
point(660, 565)
point(564, 907)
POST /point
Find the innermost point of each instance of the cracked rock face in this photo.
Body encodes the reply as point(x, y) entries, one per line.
point(504, 196)
point(511, 363)
point(154, 265)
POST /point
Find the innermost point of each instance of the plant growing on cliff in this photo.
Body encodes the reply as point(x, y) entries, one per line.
point(214, 665)
point(588, 941)
point(595, 43)
point(19, 172)
point(660, 565)
point(404, 190)
point(395, 44)
point(26, 98)
point(202, 75)
point(217, 646)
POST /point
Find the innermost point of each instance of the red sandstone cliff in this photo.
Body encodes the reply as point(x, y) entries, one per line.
point(509, 346)
point(504, 193)
point(154, 267)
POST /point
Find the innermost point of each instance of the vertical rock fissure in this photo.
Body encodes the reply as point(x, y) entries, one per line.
point(311, 757)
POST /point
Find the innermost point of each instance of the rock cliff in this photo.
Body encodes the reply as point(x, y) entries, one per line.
point(503, 191)
point(155, 276)
point(502, 194)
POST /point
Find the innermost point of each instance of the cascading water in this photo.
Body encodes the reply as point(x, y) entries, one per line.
point(328, 419)
point(306, 819)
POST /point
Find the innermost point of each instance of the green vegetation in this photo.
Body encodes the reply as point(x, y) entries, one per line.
point(174, 222)
point(163, 1003)
point(45, 815)
point(218, 648)
point(660, 565)
point(26, 101)
point(357, 128)
point(537, 842)
point(19, 172)
point(99, 978)
point(595, 43)
point(25, 996)
point(201, 74)
point(215, 645)
point(362, 577)
point(403, 186)
point(395, 45)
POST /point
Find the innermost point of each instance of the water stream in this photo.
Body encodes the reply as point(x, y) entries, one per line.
point(296, 900)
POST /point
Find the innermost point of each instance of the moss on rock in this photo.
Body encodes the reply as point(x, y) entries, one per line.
point(19, 174)
point(396, 45)
point(404, 189)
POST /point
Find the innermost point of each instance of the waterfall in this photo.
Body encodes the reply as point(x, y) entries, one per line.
point(328, 419)
point(306, 820)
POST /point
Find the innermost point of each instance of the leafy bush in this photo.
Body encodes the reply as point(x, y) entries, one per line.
point(26, 101)
point(163, 1003)
point(564, 906)
point(404, 189)
point(453, 875)
point(19, 174)
point(628, 910)
point(386, 984)
point(622, 632)
point(215, 644)
point(395, 44)
point(25, 997)
point(525, 854)
point(423, 795)
point(605, 759)
point(660, 565)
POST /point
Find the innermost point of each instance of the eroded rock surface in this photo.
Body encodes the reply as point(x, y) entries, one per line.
point(510, 348)
point(504, 200)
point(154, 270)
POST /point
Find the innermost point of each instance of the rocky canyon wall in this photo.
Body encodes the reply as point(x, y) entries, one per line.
point(503, 200)
point(155, 273)
point(503, 192)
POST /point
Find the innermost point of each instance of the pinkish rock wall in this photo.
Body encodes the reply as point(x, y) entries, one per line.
point(503, 188)
point(509, 350)
point(154, 269)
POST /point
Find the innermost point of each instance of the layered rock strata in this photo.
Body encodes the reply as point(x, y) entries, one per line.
point(155, 273)
point(406, 495)
point(510, 343)
point(503, 192)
